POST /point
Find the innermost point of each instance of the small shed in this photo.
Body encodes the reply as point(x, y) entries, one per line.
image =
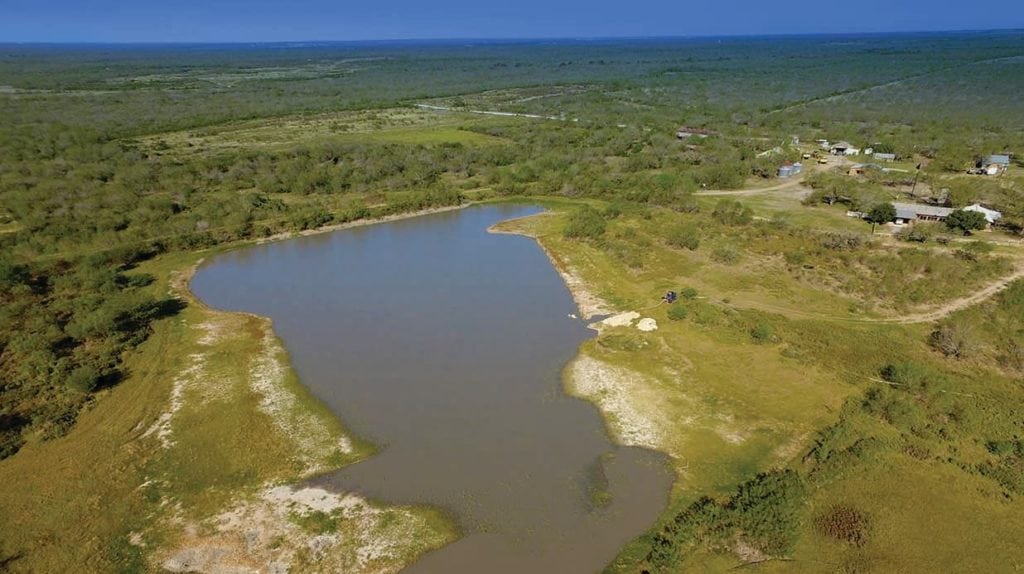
point(885, 156)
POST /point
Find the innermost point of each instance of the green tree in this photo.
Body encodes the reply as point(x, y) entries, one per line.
point(966, 221)
point(881, 213)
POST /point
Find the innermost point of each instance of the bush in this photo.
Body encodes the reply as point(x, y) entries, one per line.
point(795, 257)
point(684, 236)
point(725, 255)
point(974, 250)
point(732, 212)
point(917, 233)
point(84, 379)
point(762, 333)
point(844, 523)
point(954, 339)
point(764, 512)
point(677, 312)
point(688, 293)
point(585, 223)
point(613, 211)
point(841, 241)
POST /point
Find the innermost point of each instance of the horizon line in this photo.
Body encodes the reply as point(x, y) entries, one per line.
point(508, 39)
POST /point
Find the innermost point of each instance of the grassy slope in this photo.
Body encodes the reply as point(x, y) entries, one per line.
point(109, 480)
point(731, 408)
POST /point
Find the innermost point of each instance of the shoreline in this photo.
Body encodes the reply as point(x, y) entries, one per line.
point(263, 508)
point(592, 380)
point(415, 530)
point(588, 304)
point(360, 223)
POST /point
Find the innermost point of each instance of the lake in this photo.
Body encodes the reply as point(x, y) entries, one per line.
point(444, 345)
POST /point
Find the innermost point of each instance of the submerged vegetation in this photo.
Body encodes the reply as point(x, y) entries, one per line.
point(821, 387)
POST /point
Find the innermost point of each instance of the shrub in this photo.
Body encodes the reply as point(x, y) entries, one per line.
point(844, 523)
point(678, 312)
point(841, 241)
point(84, 379)
point(953, 339)
point(613, 211)
point(684, 236)
point(725, 255)
point(767, 510)
point(974, 250)
point(762, 333)
point(907, 374)
point(732, 212)
point(585, 223)
point(795, 257)
point(918, 233)
point(1012, 356)
point(688, 293)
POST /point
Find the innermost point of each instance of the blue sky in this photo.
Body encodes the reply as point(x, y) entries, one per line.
point(283, 20)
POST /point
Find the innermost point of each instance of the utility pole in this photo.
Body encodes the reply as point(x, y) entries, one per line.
point(914, 187)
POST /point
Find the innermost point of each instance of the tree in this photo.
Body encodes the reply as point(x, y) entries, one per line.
point(966, 221)
point(881, 213)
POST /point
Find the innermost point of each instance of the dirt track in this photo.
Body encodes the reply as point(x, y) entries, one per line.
point(955, 305)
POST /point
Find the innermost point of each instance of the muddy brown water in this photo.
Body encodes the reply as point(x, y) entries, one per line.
point(444, 345)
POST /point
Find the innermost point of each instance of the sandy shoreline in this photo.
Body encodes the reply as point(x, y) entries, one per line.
point(618, 393)
point(259, 531)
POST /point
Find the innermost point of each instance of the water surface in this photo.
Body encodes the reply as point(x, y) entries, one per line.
point(444, 345)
